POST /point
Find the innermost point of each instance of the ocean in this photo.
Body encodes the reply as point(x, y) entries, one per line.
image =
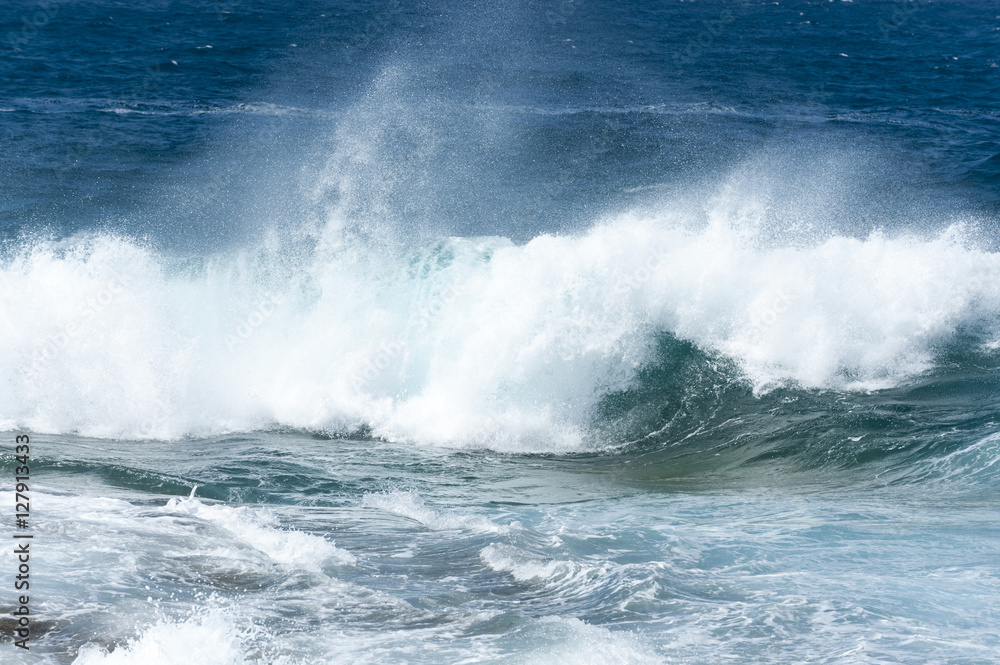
point(548, 331)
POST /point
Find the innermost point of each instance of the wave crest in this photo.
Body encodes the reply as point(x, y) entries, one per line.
point(467, 341)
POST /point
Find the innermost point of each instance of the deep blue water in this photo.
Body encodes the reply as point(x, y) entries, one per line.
point(533, 332)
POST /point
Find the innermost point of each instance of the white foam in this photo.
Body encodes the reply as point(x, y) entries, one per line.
point(577, 643)
point(259, 529)
point(411, 505)
point(466, 342)
point(507, 559)
point(211, 639)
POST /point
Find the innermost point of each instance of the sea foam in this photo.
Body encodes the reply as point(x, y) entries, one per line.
point(471, 342)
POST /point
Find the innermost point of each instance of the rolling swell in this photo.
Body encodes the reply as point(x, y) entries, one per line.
point(691, 413)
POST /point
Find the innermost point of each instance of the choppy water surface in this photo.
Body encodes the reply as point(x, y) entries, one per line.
point(583, 332)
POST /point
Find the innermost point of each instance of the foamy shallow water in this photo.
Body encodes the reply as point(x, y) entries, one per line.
point(454, 557)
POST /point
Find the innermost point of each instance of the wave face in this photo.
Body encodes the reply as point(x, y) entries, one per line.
point(479, 342)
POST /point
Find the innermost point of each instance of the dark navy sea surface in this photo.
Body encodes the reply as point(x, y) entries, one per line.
point(561, 331)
